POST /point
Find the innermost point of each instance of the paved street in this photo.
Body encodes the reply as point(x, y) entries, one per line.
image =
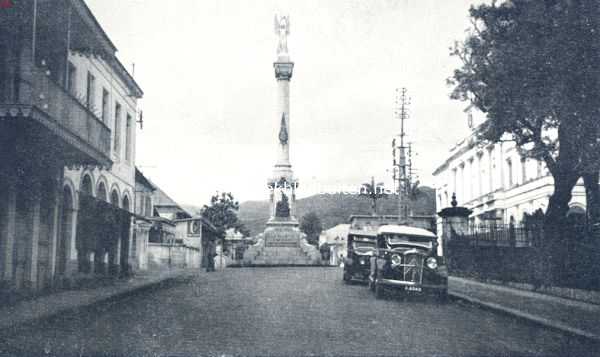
point(283, 311)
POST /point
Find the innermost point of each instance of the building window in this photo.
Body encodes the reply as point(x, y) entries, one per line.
point(471, 177)
point(479, 175)
point(72, 79)
point(454, 180)
point(90, 92)
point(462, 193)
point(117, 129)
point(491, 170)
point(510, 173)
point(148, 205)
point(524, 169)
point(128, 138)
point(104, 105)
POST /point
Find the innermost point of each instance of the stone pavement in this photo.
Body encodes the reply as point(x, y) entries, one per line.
point(50, 305)
point(567, 315)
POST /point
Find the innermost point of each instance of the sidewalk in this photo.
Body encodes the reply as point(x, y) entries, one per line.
point(570, 316)
point(63, 301)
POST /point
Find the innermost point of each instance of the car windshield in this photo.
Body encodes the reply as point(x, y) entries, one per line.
point(404, 239)
point(363, 245)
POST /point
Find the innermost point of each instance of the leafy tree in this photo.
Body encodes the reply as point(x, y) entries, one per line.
point(222, 212)
point(414, 192)
point(311, 225)
point(534, 68)
point(374, 192)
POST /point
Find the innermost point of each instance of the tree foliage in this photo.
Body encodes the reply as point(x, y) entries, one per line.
point(222, 213)
point(311, 225)
point(373, 191)
point(534, 68)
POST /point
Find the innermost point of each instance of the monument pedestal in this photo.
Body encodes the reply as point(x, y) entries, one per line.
point(282, 243)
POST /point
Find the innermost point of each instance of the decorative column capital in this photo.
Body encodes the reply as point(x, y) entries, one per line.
point(283, 70)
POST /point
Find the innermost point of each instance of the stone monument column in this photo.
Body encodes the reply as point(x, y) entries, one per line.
point(282, 182)
point(282, 242)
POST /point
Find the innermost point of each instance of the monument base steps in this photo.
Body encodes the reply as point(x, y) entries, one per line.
point(281, 245)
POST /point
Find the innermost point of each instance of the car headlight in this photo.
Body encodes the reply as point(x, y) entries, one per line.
point(396, 260)
point(432, 263)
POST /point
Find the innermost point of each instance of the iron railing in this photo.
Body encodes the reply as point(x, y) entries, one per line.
point(500, 235)
point(75, 122)
point(524, 254)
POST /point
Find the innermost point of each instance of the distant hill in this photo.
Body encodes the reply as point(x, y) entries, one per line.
point(334, 208)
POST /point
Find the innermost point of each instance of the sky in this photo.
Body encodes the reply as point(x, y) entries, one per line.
point(206, 68)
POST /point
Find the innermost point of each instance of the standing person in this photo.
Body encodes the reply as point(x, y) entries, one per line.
point(210, 256)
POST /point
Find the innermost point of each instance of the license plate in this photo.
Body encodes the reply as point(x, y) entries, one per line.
point(412, 288)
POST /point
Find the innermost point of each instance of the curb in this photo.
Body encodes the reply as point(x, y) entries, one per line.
point(92, 304)
point(524, 315)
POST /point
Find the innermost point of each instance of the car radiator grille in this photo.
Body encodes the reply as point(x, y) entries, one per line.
point(412, 268)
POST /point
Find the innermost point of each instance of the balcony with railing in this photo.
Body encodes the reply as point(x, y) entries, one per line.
point(45, 102)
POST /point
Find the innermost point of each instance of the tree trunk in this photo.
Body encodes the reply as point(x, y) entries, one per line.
point(547, 267)
point(592, 197)
point(558, 205)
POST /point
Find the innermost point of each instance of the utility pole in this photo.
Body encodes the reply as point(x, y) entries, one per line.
point(401, 112)
point(410, 167)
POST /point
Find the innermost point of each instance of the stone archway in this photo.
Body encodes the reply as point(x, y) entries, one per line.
point(101, 192)
point(114, 255)
point(85, 254)
point(125, 235)
point(131, 235)
point(46, 232)
point(101, 260)
point(66, 231)
point(114, 198)
point(125, 205)
point(87, 186)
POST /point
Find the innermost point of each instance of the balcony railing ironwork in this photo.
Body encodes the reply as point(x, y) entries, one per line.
point(53, 106)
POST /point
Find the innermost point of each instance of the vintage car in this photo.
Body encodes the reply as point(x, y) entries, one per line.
point(360, 248)
point(406, 259)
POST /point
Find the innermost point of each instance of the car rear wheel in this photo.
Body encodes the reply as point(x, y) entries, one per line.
point(379, 291)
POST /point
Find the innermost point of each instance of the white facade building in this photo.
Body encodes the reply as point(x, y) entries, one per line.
point(337, 240)
point(496, 182)
point(108, 91)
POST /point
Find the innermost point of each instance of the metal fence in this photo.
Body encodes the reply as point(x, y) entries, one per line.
point(501, 235)
point(522, 254)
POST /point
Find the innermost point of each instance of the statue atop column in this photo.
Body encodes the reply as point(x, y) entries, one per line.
point(282, 29)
